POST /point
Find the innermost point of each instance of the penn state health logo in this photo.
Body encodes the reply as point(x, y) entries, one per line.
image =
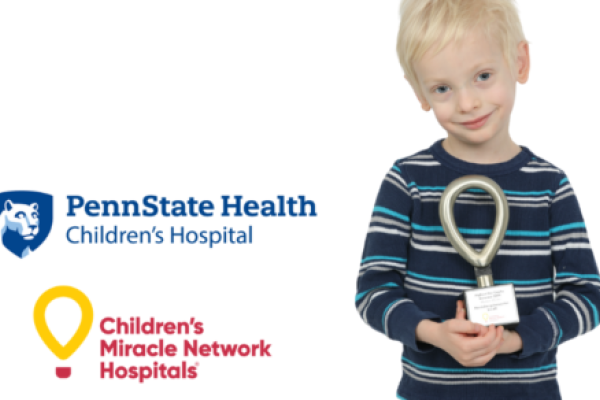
point(25, 220)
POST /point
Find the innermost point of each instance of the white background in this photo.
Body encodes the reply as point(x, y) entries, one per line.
point(121, 99)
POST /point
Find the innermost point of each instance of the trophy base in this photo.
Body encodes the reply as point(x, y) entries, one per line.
point(492, 305)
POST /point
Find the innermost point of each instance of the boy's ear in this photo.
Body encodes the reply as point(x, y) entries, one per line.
point(424, 104)
point(523, 62)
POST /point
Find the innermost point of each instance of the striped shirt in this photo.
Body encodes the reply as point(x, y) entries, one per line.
point(410, 272)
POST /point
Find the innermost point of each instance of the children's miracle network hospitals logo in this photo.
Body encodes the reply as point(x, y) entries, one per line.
point(25, 220)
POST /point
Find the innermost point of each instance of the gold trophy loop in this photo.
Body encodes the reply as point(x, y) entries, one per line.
point(489, 304)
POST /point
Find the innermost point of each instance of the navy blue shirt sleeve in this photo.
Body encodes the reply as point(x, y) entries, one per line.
point(576, 282)
point(381, 299)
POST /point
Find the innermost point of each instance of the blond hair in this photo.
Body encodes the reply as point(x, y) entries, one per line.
point(425, 22)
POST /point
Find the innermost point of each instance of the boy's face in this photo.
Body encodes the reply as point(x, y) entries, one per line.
point(470, 88)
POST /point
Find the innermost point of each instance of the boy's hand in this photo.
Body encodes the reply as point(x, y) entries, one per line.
point(512, 340)
point(472, 345)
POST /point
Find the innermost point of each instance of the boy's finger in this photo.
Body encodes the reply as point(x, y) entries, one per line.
point(498, 342)
point(483, 360)
point(500, 335)
point(493, 346)
point(484, 342)
point(464, 326)
point(484, 330)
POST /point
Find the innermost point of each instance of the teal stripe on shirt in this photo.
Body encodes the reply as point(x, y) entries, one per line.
point(473, 281)
point(490, 370)
point(584, 276)
point(514, 282)
point(558, 325)
point(511, 192)
point(574, 225)
point(371, 258)
point(473, 231)
point(594, 309)
point(362, 294)
point(387, 211)
point(438, 279)
point(509, 232)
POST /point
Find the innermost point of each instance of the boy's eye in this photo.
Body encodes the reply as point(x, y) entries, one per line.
point(442, 89)
point(484, 76)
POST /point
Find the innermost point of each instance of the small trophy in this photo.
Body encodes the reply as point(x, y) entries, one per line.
point(489, 303)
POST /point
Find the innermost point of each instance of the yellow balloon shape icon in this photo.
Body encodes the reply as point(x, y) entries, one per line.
point(39, 318)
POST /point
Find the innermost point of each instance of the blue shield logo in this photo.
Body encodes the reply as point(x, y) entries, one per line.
point(25, 220)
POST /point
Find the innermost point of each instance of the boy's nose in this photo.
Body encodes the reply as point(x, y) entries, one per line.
point(467, 100)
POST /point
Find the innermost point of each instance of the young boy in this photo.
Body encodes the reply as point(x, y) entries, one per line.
point(463, 59)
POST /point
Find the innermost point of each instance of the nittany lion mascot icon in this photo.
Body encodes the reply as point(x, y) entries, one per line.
point(21, 218)
point(23, 223)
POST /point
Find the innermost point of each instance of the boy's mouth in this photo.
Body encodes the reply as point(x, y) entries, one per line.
point(476, 123)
